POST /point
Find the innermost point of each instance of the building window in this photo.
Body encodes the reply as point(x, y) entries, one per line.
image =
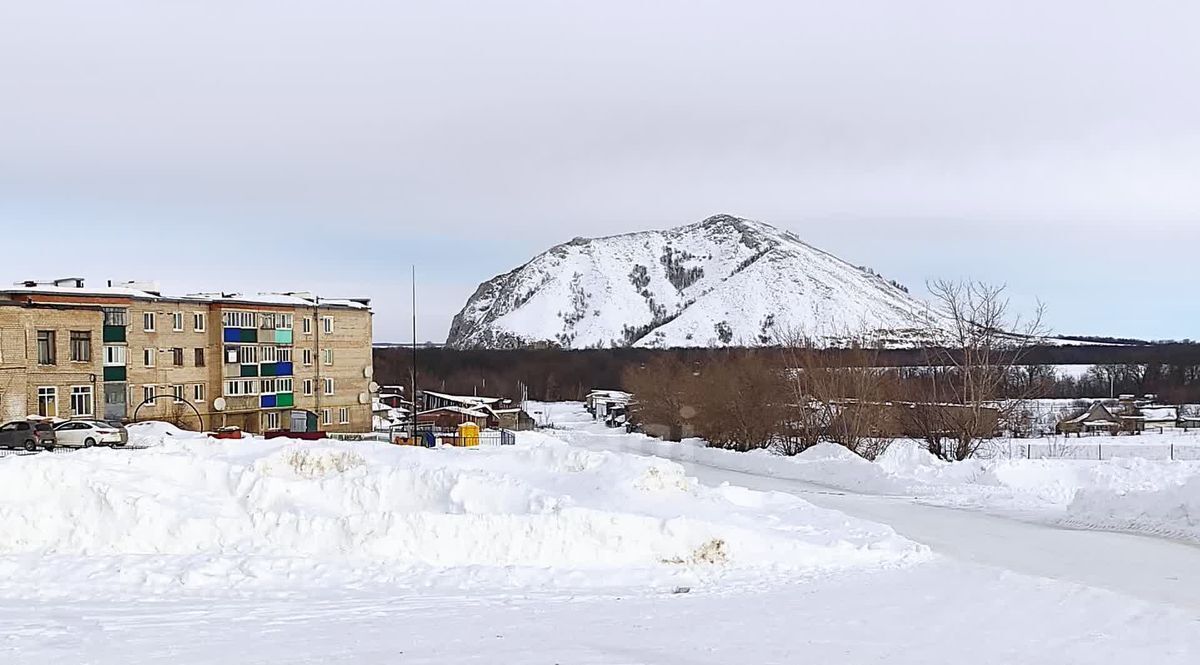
point(326, 416)
point(283, 385)
point(116, 316)
point(81, 346)
point(177, 357)
point(48, 401)
point(177, 391)
point(148, 321)
point(247, 355)
point(271, 420)
point(114, 356)
point(308, 386)
point(284, 322)
point(306, 357)
point(198, 321)
point(177, 321)
point(81, 401)
point(239, 319)
point(198, 392)
point(328, 386)
point(268, 386)
point(199, 352)
point(45, 347)
point(267, 321)
point(344, 416)
point(231, 355)
point(306, 325)
point(148, 357)
point(328, 356)
point(268, 353)
point(327, 325)
point(284, 354)
point(147, 393)
point(239, 387)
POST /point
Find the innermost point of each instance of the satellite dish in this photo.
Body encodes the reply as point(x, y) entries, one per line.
point(373, 387)
point(368, 372)
point(364, 398)
point(219, 404)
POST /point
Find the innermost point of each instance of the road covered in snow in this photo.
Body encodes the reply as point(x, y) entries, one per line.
point(561, 549)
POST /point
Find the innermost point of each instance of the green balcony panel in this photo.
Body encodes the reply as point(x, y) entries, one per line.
point(283, 336)
point(268, 369)
point(250, 334)
point(114, 374)
point(249, 370)
point(284, 400)
point(114, 334)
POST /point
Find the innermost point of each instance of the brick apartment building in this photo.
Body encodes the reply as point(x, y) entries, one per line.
point(204, 361)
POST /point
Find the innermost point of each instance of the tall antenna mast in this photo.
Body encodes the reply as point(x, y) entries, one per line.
point(413, 397)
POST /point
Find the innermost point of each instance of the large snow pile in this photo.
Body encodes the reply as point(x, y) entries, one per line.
point(209, 514)
point(1171, 511)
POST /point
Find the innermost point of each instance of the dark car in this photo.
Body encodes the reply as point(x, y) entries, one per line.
point(28, 435)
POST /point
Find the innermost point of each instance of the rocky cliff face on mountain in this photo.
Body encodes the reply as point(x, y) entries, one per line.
point(725, 281)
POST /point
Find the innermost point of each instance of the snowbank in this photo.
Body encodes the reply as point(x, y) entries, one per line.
point(210, 514)
point(1172, 512)
point(1135, 494)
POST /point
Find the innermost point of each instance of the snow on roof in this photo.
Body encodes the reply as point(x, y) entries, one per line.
point(465, 399)
point(297, 300)
point(1159, 412)
point(456, 409)
point(615, 395)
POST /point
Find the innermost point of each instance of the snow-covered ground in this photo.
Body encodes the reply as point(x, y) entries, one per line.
point(571, 547)
point(1122, 493)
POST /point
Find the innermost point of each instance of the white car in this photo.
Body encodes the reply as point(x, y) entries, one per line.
point(88, 433)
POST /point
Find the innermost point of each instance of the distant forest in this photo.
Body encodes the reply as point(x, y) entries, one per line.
point(1171, 370)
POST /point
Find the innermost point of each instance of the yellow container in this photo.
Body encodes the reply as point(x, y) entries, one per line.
point(468, 434)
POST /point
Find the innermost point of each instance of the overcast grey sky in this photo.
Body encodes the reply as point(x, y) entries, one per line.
point(327, 146)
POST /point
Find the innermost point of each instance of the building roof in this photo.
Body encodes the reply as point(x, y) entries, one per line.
point(615, 395)
point(464, 399)
point(473, 413)
point(145, 291)
point(1094, 412)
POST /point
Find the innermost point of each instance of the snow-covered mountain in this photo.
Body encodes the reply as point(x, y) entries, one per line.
point(721, 282)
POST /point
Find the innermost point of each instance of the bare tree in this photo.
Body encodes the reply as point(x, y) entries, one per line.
point(838, 395)
point(663, 396)
point(741, 402)
point(986, 342)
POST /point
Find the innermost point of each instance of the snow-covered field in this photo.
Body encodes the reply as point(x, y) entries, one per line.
point(571, 547)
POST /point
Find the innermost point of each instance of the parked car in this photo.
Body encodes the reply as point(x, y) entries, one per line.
point(88, 433)
point(27, 434)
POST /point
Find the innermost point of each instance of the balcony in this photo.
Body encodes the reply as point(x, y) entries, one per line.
point(114, 334)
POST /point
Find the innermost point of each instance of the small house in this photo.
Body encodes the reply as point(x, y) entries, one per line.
point(609, 406)
point(448, 418)
point(1098, 419)
point(515, 419)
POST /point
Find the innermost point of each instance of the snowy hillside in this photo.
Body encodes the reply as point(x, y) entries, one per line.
point(724, 281)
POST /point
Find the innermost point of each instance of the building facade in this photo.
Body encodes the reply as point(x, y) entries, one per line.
point(202, 361)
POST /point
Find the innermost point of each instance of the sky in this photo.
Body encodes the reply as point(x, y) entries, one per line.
point(274, 146)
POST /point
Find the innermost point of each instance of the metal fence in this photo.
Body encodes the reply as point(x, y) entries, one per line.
point(1101, 448)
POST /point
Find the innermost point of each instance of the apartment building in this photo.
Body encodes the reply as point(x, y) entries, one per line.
point(206, 360)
